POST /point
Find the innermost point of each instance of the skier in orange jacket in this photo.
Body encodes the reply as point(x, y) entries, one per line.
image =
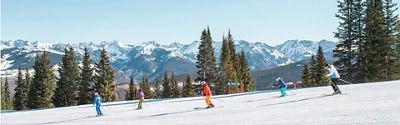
point(207, 92)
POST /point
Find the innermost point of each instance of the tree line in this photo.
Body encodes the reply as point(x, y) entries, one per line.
point(369, 41)
point(77, 82)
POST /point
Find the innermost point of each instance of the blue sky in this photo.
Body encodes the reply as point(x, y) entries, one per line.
point(167, 21)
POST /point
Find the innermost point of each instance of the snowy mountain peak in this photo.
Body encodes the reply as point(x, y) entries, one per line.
point(153, 59)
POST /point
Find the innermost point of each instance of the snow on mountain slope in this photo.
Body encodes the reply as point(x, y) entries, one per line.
point(151, 58)
point(371, 103)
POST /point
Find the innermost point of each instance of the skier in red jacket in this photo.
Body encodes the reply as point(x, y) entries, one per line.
point(207, 92)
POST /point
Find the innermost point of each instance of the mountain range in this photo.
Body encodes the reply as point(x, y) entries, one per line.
point(152, 58)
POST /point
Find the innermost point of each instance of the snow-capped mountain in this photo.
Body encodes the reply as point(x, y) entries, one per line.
point(152, 58)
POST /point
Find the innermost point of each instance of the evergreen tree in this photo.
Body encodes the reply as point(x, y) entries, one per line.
point(166, 93)
point(2, 94)
point(224, 66)
point(375, 41)
point(176, 92)
point(347, 35)
point(42, 88)
point(246, 75)
point(157, 89)
point(7, 104)
point(105, 77)
point(392, 29)
point(66, 93)
point(28, 82)
point(321, 71)
point(306, 77)
point(132, 91)
point(206, 62)
point(188, 90)
point(146, 89)
point(86, 82)
point(313, 71)
point(21, 93)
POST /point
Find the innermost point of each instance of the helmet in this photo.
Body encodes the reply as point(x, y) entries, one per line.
point(277, 78)
point(203, 82)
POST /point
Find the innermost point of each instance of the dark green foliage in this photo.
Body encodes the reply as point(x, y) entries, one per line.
point(321, 71)
point(43, 84)
point(188, 90)
point(132, 91)
point(85, 86)
point(246, 75)
point(66, 93)
point(313, 70)
point(176, 92)
point(6, 100)
point(306, 77)
point(392, 30)
point(21, 92)
point(28, 81)
point(2, 94)
point(157, 89)
point(348, 32)
point(166, 93)
point(104, 78)
point(206, 62)
point(146, 88)
point(375, 42)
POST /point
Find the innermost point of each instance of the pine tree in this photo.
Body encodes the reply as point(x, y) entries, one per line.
point(42, 88)
point(2, 94)
point(375, 42)
point(188, 90)
point(28, 82)
point(321, 71)
point(313, 71)
point(7, 104)
point(157, 89)
point(166, 93)
point(306, 77)
point(347, 35)
point(392, 29)
point(246, 75)
point(132, 91)
point(105, 77)
point(206, 62)
point(224, 66)
point(21, 93)
point(146, 90)
point(201, 58)
point(176, 92)
point(66, 93)
point(86, 82)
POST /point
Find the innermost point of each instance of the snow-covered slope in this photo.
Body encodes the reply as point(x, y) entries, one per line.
point(371, 103)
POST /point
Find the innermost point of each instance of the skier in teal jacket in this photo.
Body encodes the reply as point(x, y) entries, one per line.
point(334, 74)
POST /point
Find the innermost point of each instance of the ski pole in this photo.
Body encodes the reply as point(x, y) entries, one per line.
point(345, 81)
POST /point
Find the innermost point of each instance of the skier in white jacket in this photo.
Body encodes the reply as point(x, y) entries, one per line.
point(334, 74)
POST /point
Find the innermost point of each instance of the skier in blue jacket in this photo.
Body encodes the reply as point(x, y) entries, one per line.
point(97, 100)
point(282, 85)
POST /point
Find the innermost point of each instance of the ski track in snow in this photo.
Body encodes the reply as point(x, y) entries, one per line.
point(370, 103)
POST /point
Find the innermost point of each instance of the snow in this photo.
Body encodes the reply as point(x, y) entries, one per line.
point(371, 103)
point(5, 64)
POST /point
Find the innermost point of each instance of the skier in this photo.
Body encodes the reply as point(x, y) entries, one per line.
point(140, 96)
point(333, 73)
point(282, 85)
point(97, 101)
point(207, 92)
